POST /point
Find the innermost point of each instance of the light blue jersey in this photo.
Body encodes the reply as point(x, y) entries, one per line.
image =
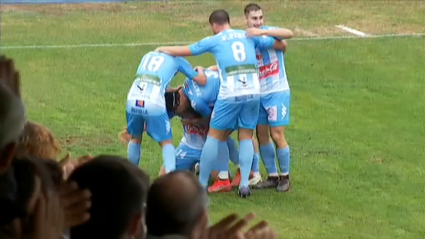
point(153, 76)
point(203, 97)
point(271, 64)
point(236, 60)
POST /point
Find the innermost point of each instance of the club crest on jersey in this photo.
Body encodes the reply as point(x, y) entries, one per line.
point(259, 57)
point(269, 70)
point(140, 103)
point(186, 85)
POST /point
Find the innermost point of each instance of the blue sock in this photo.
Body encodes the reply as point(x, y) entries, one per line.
point(256, 163)
point(208, 159)
point(169, 156)
point(233, 151)
point(223, 160)
point(284, 157)
point(245, 160)
point(134, 152)
point(268, 154)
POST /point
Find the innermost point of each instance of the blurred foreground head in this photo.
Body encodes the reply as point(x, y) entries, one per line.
point(177, 205)
point(37, 140)
point(12, 121)
point(32, 177)
point(119, 191)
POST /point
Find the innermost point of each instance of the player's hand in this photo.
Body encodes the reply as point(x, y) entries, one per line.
point(230, 227)
point(75, 203)
point(199, 69)
point(9, 75)
point(49, 217)
point(260, 231)
point(213, 68)
point(254, 32)
point(158, 49)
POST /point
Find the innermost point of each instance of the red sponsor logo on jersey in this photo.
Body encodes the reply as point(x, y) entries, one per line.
point(194, 129)
point(269, 70)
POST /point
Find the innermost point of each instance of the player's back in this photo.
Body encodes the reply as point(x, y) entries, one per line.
point(158, 64)
point(208, 92)
point(235, 49)
point(235, 56)
point(272, 70)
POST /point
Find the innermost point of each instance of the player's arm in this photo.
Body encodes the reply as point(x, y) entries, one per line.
point(201, 107)
point(192, 50)
point(265, 42)
point(275, 32)
point(197, 75)
point(280, 33)
point(175, 50)
point(213, 68)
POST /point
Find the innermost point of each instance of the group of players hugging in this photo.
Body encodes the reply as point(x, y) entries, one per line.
point(246, 90)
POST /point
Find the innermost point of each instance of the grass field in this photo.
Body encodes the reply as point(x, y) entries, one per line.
point(357, 114)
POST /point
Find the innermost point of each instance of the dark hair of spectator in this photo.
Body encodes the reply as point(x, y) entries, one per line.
point(119, 191)
point(175, 204)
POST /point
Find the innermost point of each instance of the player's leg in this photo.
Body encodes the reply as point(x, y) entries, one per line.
point(234, 157)
point(280, 109)
point(267, 149)
point(255, 176)
point(159, 129)
point(135, 127)
point(254, 179)
point(247, 121)
point(233, 151)
point(222, 184)
point(186, 157)
point(224, 114)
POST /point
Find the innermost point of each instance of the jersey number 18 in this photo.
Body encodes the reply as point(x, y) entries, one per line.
point(152, 63)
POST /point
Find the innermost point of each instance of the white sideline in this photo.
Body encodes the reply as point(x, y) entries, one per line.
point(184, 43)
point(351, 30)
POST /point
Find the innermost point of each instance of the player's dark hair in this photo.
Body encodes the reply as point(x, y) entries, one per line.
point(119, 191)
point(172, 100)
point(252, 7)
point(219, 17)
point(175, 204)
point(191, 112)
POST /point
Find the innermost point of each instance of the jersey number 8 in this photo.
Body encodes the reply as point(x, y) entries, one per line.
point(238, 50)
point(152, 64)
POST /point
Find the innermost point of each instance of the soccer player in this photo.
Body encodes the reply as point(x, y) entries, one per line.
point(146, 104)
point(275, 101)
point(201, 99)
point(238, 99)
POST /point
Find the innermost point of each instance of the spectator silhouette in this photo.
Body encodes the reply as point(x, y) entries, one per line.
point(119, 191)
point(176, 204)
point(12, 120)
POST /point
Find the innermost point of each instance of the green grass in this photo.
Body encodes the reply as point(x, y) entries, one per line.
point(356, 117)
